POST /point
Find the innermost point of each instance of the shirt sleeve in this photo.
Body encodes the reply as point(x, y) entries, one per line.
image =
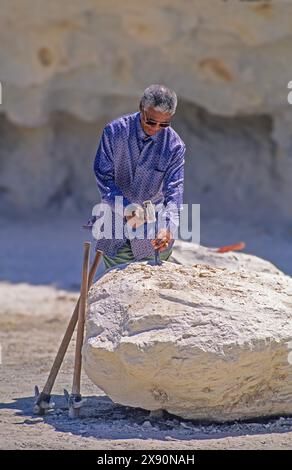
point(105, 174)
point(173, 187)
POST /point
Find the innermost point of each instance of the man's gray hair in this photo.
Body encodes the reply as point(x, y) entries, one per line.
point(160, 98)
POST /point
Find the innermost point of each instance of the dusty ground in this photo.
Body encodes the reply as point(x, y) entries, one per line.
point(32, 322)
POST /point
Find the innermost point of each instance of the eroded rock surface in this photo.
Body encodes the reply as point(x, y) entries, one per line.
point(201, 342)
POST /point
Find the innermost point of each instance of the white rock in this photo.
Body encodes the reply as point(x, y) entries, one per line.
point(211, 347)
point(147, 424)
point(190, 253)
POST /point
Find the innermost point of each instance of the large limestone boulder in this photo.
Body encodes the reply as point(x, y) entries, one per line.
point(201, 342)
point(187, 253)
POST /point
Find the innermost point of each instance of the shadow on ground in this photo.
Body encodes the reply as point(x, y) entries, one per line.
point(102, 419)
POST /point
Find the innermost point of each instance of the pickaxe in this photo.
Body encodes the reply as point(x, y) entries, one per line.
point(42, 402)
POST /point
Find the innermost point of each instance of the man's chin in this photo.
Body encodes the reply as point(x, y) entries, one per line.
point(151, 133)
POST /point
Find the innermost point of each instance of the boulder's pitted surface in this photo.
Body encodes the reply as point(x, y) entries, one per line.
point(201, 342)
point(188, 254)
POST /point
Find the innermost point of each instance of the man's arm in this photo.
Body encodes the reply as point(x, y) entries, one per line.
point(173, 186)
point(104, 172)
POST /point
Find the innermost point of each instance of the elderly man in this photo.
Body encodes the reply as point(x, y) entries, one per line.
point(140, 157)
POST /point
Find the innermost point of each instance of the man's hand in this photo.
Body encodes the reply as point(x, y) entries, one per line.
point(134, 221)
point(163, 239)
point(134, 215)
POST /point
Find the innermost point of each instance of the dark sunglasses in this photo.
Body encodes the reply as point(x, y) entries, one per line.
point(151, 122)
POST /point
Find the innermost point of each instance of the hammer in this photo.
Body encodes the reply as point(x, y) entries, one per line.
point(150, 216)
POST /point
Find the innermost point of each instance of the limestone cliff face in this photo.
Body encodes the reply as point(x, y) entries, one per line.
point(67, 69)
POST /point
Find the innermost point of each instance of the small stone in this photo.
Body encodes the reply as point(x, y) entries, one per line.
point(33, 420)
point(147, 424)
point(185, 426)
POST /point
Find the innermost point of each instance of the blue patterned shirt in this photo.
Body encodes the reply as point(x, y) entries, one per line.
point(131, 164)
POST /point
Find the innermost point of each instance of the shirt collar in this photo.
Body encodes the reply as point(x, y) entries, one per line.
point(141, 134)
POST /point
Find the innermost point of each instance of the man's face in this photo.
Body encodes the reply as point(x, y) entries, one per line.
point(153, 121)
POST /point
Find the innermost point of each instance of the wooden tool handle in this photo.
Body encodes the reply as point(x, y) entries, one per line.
point(69, 332)
point(81, 319)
